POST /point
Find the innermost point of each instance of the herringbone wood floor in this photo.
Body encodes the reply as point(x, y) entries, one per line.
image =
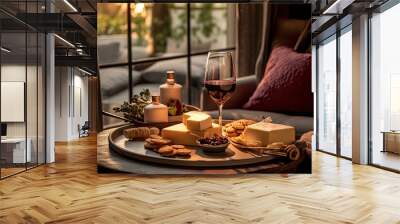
point(71, 191)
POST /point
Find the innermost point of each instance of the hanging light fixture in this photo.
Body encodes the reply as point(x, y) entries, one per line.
point(84, 71)
point(64, 40)
point(337, 7)
point(5, 50)
point(70, 6)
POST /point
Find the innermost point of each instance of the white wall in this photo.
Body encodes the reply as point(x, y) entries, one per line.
point(71, 96)
point(61, 104)
point(12, 73)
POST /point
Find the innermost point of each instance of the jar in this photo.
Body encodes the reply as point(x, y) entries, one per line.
point(155, 112)
point(170, 90)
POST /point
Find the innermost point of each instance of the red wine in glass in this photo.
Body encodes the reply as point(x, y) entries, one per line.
point(220, 91)
point(220, 78)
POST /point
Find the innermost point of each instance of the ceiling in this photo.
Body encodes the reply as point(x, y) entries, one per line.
point(332, 15)
point(73, 20)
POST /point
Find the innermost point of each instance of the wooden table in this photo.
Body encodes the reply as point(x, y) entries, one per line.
point(14, 151)
point(391, 141)
point(110, 161)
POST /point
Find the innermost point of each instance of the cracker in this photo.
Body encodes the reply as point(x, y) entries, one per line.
point(238, 126)
point(239, 132)
point(231, 134)
point(148, 140)
point(171, 154)
point(150, 146)
point(178, 146)
point(154, 131)
point(165, 149)
point(161, 141)
point(140, 132)
point(230, 129)
point(155, 137)
point(183, 152)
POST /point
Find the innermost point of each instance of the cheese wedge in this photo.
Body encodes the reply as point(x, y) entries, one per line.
point(179, 134)
point(267, 133)
point(197, 121)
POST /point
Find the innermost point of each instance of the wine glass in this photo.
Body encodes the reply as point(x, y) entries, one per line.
point(220, 78)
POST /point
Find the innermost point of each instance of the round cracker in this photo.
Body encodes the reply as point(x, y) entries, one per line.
point(155, 137)
point(169, 154)
point(178, 146)
point(154, 131)
point(150, 146)
point(231, 134)
point(238, 126)
point(183, 152)
point(230, 129)
point(165, 149)
point(148, 140)
point(161, 141)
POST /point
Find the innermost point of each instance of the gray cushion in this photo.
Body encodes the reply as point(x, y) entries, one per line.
point(301, 123)
point(108, 52)
point(154, 89)
point(156, 72)
point(114, 80)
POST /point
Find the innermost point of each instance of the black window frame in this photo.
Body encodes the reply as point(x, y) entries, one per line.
point(380, 9)
point(130, 63)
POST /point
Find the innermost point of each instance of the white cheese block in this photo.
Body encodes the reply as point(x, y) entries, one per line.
point(197, 121)
point(180, 135)
point(267, 133)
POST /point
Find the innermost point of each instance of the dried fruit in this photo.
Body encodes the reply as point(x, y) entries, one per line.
point(214, 140)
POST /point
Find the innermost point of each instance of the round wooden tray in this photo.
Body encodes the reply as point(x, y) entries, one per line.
point(135, 149)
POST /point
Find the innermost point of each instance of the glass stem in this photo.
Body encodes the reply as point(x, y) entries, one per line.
point(220, 115)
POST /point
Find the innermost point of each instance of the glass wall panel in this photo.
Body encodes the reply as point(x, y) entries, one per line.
point(14, 146)
point(346, 93)
point(327, 95)
point(22, 90)
point(385, 89)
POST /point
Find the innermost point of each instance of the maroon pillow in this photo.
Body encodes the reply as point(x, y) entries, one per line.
point(286, 85)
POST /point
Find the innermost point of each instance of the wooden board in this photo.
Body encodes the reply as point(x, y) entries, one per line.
point(12, 101)
point(232, 157)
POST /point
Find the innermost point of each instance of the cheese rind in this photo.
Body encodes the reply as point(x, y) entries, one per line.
point(268, 133)
point(179, 134)
point(197, 121)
